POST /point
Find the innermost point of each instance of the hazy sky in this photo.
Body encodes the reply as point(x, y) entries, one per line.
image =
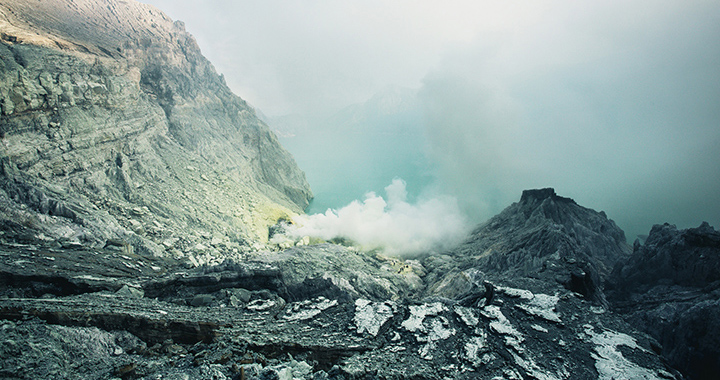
point(613, 103)
point(287, 56)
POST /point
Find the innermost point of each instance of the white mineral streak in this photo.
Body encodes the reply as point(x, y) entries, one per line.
point(539, 305)
point(467, 315)
point(502, 326)
point(516, 293)
point(308, 309)
point(513, 338)
point(438, 327)
point(438, 331)
point(474, 347)
point(261, 305)
point(370, 316)
point(533, 369)
point(543, 306)
point(418, 314)
point(610, 362)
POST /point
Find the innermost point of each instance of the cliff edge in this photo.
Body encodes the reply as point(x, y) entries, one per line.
point(116, 130)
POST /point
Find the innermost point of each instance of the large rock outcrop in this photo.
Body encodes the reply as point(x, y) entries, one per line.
point(544, 236)
point(115, 128)
point(670, 288)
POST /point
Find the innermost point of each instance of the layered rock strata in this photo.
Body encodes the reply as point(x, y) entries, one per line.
point(115, 128)
point(260, 319)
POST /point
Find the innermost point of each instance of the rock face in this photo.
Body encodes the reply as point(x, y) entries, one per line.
point(543, 236)
point(311, 312)
point(263, 319)
point(115, 128)
point(670, 288)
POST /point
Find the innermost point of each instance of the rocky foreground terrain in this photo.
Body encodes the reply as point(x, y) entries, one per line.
point(326, 311)
point(138, 194)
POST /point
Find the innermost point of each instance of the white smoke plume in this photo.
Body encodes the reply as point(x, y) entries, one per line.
point(393, 225)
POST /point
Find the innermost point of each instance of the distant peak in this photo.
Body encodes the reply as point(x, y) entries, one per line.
point(541, 194)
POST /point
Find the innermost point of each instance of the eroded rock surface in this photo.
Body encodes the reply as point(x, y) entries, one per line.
point(670, 288)
point(523, 334)
point(116, 130)
point(310, 312)
point(543, 236)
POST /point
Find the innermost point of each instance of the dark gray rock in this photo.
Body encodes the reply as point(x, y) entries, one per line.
point(299, 327)
point(201, 300)
point(542, 236)
point(689, 258)
point(670, 288)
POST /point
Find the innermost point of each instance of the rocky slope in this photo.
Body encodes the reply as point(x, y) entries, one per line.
point(116, 130)
point(314, 312)
point(670, 288)
point(135, 196)
point(252, 320)
point(544, 236)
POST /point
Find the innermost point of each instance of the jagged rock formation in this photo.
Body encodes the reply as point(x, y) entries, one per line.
point(670, 288)
point(310, 312)
point(115, 128)
point(256, 320)
point(543, 236)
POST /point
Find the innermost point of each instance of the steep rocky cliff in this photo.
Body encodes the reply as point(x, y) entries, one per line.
point(116, 130)
point(670, 288)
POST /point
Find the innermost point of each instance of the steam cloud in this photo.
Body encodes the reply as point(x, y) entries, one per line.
point(393, 224)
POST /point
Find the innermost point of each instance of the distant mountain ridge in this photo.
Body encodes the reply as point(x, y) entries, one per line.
point(670, 288)
point(548, 237)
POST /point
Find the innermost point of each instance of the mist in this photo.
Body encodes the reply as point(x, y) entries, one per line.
point(390, 224)
point(617, 106)
point(613, 103)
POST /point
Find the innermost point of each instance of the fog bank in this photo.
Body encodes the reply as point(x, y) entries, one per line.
point(615, 104)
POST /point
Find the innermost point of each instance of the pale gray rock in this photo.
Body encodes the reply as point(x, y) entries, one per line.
point(103, 112)
point(371, 316)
